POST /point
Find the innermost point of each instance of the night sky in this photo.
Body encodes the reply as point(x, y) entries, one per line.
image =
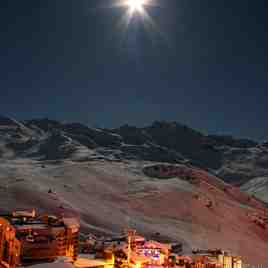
point(204, 64)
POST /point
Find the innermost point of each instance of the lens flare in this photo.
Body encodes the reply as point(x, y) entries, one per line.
point(136, 12)
point(135, 5)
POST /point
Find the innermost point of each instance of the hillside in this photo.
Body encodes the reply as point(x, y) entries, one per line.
point(234, 160)
point(141, 178)
point(257, 187)
point(190, 205)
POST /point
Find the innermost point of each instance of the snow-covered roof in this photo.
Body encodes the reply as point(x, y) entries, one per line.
point(31, 226)
point(138, 238)
point(53, 265)
point(155, 244)
point(23, 213)
point(71, 222)
point(85, 260)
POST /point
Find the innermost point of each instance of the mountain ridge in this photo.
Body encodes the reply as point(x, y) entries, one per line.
point(153, 179)
point(177, 140)
point(236, 161)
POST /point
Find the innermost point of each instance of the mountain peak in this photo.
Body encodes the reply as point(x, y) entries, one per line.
point(44, 124)
point(5, 120)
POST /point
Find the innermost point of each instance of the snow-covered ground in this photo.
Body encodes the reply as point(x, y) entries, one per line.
point(111, 196)
point(99, 176)
point(257, 187)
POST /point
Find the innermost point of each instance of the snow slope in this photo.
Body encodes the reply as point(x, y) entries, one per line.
point(257, 187)
point(110, 196)
point(157, 179)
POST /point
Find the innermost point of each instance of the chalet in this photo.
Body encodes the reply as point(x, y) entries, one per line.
point(26, 238)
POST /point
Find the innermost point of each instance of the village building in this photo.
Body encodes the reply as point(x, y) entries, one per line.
point(35, 241)
point(27, 238)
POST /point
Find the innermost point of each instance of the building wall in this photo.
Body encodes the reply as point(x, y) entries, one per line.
point(47, 242)
point(72, 243)
point(10, 246)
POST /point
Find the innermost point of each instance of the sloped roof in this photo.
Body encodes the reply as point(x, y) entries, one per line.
point(155, 244)
point(71, 222)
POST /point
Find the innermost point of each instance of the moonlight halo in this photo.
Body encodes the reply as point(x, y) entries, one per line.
point(139, 9)
point(135, 5)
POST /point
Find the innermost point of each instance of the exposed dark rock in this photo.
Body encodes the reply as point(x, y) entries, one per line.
point(168, 142)
point(190, 143)
point(6, 121)
point(232, 142)
point(97, 136)
point(56, 146)
point(133, 135)
point(44, 124)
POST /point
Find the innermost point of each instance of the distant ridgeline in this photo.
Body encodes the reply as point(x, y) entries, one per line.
point(236, 161)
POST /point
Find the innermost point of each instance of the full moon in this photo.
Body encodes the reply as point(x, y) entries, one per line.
point(135, 5)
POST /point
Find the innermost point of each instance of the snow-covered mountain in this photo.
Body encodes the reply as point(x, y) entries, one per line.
point(157, 179)
point(235, 160)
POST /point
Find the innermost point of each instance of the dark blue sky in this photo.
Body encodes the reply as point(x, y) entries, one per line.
point(69, 60)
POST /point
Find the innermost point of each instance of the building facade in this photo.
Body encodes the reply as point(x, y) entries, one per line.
point(26, 238)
